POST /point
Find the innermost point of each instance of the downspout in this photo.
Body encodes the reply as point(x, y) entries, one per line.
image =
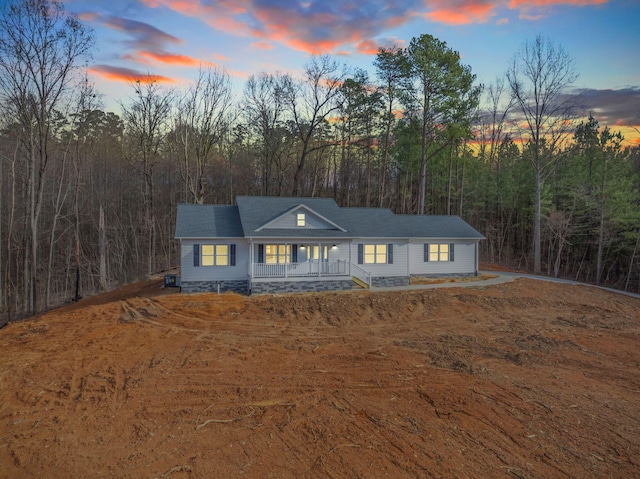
point(409, 241)
point(250, 264)
point(475, 253)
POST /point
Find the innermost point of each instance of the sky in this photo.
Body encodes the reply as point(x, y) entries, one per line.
point(172, 39)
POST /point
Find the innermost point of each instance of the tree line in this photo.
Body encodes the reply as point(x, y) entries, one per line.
point(88, 197)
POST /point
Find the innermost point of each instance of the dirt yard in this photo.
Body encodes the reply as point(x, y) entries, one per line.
point(523, 380)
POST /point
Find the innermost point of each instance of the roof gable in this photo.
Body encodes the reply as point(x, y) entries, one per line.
point(312, 220)
point(260, 214)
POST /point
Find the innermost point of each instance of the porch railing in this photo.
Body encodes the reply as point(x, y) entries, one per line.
point(307, 268)
point(361, 274)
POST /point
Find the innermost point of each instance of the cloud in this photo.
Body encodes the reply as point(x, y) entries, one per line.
point(146, 43)
point(127, 75)
point(324, 26)
point(143, 36)
point(172, 59)
point(367, 47)
point(262, 45)
point(461, 12)
point(551, 3)
point(534, 10)
point(613, 107)
point(340, 26)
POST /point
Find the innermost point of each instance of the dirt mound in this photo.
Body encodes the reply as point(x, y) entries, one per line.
point(527, 379)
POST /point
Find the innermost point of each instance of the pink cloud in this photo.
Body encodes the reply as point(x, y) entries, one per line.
point(367, 47)
point(312, 27)
point(551, 3)
point(88, 16)
point(127, 75)
point(537, 9)
point(173, 59)
point(341, 26)
point(461, 12)
point(262, 45)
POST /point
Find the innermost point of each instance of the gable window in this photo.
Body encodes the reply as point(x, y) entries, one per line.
point(438, 252)
point(301, 219)
point(214, 255)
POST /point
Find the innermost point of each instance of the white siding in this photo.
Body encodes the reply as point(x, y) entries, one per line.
point(189, 272)
point(464, 259)
point(399, 266)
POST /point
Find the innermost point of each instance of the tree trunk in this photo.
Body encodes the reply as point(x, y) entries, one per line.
point(633, 258)
point(537, 263)
point(102, 251)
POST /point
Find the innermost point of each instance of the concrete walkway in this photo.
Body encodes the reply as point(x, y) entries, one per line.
point(560, 280)
point(501, 278)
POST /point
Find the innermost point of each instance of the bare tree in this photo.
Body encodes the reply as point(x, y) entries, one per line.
point(493, 120)
point(41, 48)
point(310, 103)
point(539, 75)
point(263, 109)
point(146, 122)
point(201, 123)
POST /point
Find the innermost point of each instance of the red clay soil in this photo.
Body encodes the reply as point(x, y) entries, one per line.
point(522, 380)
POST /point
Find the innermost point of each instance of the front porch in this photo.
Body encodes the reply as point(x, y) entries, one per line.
point(308, 266)
point(306, 269)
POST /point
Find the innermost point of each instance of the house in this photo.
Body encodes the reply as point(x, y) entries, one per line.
point(276, 244)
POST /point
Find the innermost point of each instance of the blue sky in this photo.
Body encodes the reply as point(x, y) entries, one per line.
point(171, 39)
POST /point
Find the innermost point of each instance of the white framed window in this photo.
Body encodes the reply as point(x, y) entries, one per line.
point(318, 252)
point(375, 254)
point(214, 255)
point(301, 219)
point(277, 253)
point(439, 252)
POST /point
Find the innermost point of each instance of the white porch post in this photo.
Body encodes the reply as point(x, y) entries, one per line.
point(251, 259)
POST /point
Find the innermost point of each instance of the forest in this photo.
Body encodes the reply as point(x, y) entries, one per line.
point(88, 196)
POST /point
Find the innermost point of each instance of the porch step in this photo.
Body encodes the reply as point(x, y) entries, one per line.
point(359, 282)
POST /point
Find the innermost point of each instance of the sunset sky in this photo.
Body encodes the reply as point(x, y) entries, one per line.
point(171, 39)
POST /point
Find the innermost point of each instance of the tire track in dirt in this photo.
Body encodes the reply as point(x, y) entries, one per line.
point(522, 380)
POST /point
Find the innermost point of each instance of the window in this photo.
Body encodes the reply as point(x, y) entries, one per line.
point(439, 252)
point(301, 219)
point(214, 255)
point(277, 253)
point(375, 253)
point(314, 252)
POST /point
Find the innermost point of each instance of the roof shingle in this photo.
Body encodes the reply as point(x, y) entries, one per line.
point(252, 212)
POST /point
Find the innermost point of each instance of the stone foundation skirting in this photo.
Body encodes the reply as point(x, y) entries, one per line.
point(300, 286)
point(237, 286)
point(443, 275)
point(387, 281)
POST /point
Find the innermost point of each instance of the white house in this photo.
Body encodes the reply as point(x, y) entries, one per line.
point(276, 244)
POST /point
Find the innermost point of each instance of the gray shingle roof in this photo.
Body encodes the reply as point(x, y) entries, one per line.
point(252, 212)
point(208, 221)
